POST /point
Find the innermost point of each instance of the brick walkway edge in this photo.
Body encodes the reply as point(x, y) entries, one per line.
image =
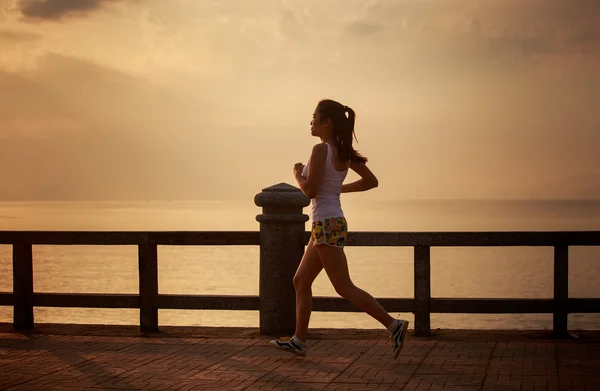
point(66, 357)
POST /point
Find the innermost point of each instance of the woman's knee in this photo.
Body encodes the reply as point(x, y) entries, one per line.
point(301, 282)
point(344, 289)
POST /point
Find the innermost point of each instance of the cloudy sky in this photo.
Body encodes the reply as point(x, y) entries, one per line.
point(180, 99)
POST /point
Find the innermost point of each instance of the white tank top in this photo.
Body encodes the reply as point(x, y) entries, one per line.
point(327, 202)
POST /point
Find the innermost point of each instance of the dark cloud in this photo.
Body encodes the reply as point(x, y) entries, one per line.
point(75, 129)
point(495, 28)
point(57, 9)
point(516, 44)
point(587, 40)
point(17, 36)
point(364, 29)
point(540, 27)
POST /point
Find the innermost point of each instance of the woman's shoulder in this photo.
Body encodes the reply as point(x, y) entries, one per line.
point(319, 149)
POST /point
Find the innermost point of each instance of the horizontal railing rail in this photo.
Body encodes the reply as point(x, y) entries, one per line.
point(475, 239)
point(172, 238)
point(243, 238)
point(325, 304)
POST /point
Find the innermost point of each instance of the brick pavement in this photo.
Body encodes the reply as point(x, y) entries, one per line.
point(63, 358)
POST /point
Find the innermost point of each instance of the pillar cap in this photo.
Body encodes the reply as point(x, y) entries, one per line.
point(282, 187)
point(281, 195)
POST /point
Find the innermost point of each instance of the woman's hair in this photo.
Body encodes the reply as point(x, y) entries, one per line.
point(343, 128)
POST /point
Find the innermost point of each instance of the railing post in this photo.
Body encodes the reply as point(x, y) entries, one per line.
point(23, 286)
point(422, 291)
point(282, 228)
point(148, 269)
point(561, 291)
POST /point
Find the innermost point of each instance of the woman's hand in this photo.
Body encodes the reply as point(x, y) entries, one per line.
point(367, 180)
point(298, 168)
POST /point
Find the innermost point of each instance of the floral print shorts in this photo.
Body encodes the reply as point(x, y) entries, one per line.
point(332, 231)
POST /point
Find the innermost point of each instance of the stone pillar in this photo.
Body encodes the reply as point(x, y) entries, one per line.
point(282, 243)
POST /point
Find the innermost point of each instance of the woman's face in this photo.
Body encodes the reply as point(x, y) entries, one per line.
point(318, 127)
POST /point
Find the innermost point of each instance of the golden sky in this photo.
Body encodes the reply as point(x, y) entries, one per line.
point(156, 99)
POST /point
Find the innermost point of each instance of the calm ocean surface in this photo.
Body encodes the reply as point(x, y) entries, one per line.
point(522, 272)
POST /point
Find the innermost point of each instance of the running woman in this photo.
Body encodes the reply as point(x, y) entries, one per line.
point(321, 179)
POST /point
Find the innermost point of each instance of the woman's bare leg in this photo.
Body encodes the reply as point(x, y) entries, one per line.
point(335, 263)
point(308, 270)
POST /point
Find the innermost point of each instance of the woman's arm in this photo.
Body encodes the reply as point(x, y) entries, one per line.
point(316, 166)
point(366, 182)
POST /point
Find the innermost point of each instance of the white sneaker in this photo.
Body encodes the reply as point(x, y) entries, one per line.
point(289, 345)
point(397, 337)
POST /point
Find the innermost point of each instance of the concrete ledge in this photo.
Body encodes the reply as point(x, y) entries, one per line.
point(315, 334)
